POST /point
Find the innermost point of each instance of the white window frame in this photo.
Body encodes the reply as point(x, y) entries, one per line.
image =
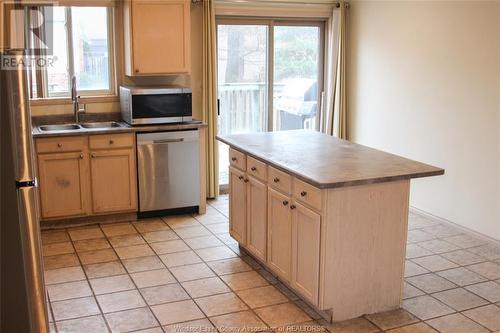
point(43, 94)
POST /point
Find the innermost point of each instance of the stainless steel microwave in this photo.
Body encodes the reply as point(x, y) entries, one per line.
point(155, 105)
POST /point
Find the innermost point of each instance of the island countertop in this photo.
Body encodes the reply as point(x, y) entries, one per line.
point(325, 161)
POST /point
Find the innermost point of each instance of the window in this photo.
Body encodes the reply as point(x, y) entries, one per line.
point(270, 77)
point(81, 48)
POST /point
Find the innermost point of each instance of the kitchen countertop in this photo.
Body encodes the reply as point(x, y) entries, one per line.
point(325, 161)
point(125, 128)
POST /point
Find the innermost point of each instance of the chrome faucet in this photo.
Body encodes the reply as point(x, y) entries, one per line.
point(76, 101)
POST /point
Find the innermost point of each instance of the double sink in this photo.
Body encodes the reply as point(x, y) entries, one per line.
point(82, 126)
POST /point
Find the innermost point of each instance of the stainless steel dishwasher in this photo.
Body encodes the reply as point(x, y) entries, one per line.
point(168, 171)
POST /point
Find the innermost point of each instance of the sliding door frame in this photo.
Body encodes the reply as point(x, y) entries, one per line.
point(271, 23)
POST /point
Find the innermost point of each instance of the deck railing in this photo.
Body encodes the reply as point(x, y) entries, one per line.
point(243, 107)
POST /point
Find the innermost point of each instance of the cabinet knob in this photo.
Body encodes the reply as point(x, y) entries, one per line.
point(292, 207)
point(92, 155)
point(276, 179)
point(59, 145)
point(81, 156)
point(240, 177)
point(253, 168)
point(285, 202)
point(137, 70)
point(246, 180)
point(111, 142)
point(233, 159)
point(303, 193)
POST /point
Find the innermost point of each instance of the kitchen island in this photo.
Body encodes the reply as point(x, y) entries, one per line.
point(328, 217)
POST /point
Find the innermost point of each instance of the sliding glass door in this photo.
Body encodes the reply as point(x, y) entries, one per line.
point(269, 77)
point(296, 77)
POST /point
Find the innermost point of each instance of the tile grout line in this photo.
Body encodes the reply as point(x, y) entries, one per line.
point(258, 270)
point(90, 286)
point(130, 277)
point(231, 289)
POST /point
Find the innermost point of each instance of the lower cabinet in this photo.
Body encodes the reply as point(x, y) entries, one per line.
point(113, 180)
point(63, 180)
point(237, 205)
point(279, 219)
point(278, 227)
point(76, 181)
point(294, 238)
point(305, 251)
point(257, 218)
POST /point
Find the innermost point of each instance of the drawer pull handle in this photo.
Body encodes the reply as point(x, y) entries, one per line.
point(276, 179)
point(292, 207)
point(233, 159)
point(111, 142)
point(285, 203)
point(59, 145)
point(81, 156)
point(303, 193)
point(246, 180)
point(253, 168)
point(240, 177)
point(92, 155)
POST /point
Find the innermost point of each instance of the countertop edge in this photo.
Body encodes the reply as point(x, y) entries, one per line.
point(320, 185)
point(116, 130)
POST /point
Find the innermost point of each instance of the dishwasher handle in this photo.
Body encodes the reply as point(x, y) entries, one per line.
point(168, 140)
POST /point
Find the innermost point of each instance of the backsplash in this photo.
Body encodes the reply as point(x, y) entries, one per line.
point(67, 108)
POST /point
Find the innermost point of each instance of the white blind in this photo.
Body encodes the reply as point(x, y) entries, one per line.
point(275, 8)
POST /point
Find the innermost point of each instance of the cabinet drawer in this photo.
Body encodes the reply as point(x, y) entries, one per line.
point(279, 180)
point(256, 168)
point(62, 144)
point(237, 159)
point(307, 193)
point(110, 141)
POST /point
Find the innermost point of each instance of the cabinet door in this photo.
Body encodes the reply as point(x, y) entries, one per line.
point(305, 255)
point(113, 180)
point(160, 36)
point(63, 184)
point(279, 240)
point(257, 218)
point(237, 205)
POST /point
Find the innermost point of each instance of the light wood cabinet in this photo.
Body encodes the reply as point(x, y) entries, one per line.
point(238, 204)
point(279, 219)
point(283, 221)
point(113, 180)
point(63, 181)
point(281, 231)
point(337, 241)
point(77, 182)
point(157, 37)
point(306, 226)
point(257, 218)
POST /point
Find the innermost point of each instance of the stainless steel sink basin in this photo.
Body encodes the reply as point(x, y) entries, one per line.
point(61, 127)
point(107, 124)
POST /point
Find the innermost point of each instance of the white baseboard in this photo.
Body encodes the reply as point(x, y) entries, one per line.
point(453, 224)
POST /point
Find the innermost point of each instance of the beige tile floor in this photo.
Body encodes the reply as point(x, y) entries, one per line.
point(186, 274)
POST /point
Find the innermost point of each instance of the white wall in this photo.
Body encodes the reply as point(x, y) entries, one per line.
point(424, 80)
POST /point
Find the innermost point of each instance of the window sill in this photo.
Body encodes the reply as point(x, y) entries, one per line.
point(67, 100)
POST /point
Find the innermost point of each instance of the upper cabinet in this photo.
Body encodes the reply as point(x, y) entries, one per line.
point(157, 37)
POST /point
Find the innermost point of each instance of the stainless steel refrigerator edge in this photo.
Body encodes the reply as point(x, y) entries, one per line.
point(23, 294)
